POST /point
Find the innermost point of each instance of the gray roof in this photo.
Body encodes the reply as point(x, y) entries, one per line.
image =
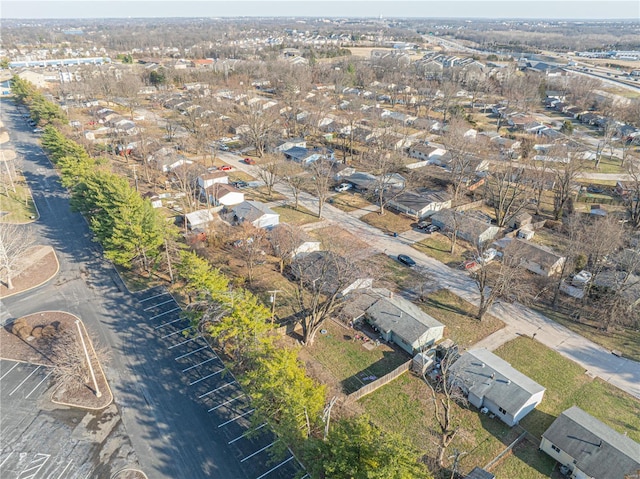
point(252, 210)
point(392, 312)
point(509, 388)
point(541, 255)
point(466, 222)
point(599, 451)
point(478, 473)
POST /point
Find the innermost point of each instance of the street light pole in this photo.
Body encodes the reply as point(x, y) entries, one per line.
point(272, 298)
point(86, 354)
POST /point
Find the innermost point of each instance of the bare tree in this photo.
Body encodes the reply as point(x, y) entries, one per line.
point(270, 172)
point(389, 183)
point(251, 247)
point(445, 394)
point(321, 279)
point(496, 280)
point(632, 196)
point(540, 179)
point(505, 191)
point(322, 173)
point(461, 148)
point(608, 133)
point(285, 240)
point(259, 125)
point(295, 178)
point(186, 177)
point(15, 242)
point(572, 249)
point(568, 162)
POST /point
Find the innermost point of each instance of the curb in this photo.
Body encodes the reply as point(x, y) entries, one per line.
point(30, 288)
point(115, 474)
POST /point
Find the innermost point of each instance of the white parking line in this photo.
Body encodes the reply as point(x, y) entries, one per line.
point(65, 469)
point(6, 459)
point(225, 403)
point(199, 364)
point(152, 297)
point(216, 389)
point(236, 418)
point(167, 324)
point(1, 378)
point(184, 342)
point(166, 312)
point(274, 468)
point(189, 354)
point(258, 451)
point(43, 380)
point(206, 377)
point(247, 433)
point(177, 332)
point(159, 304)
point(39, 464)
point(24, 380)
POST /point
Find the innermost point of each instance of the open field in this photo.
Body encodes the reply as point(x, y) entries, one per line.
point(301, 216)
point(349, 201)
point(439, 246)
point(389, 222)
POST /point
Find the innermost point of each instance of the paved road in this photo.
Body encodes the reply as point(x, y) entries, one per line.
point(623, 373)
point(173, 434)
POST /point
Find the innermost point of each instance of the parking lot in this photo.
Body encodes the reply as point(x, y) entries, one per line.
point(215, 388)
point(30, 450)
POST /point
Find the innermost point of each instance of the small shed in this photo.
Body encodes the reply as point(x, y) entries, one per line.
point(198, 218)
point(519, 220)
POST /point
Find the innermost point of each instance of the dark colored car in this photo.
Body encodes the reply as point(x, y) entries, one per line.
point(408, 260)
point(432, 228)
point(240, 184)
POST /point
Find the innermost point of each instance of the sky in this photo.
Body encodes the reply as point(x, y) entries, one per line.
point(540, 9)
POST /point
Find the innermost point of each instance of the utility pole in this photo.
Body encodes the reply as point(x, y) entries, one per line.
point(272, 299)
point(135, 176)
point(86, 354)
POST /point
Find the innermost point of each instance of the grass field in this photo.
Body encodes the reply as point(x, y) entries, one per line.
point(459, 318)
point(568, 385)
point(349, 201)
point(396, 273)
point(301, 216)
point(348, 361)
point(18, 206)
point(439, 246)
point(389, 222)
point(260, 194)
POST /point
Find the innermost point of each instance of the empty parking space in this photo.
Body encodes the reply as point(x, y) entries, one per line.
point(23, 381)
point(206, 379)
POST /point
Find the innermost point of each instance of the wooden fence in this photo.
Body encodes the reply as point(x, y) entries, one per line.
point(387, 378)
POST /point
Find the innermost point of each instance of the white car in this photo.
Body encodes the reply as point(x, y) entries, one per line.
point(343, 187)
point(38, 130)
point(488, 256)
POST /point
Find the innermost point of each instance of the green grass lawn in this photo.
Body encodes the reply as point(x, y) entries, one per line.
point(397, 274)
point(439, 246)
point(349, 201)
point(347, 359)
point(17, 207)
point(627, 341)
point(607, 165)
point(568, 385)
point(525, 462)
point(389, 222)
point(459, 318)
point(301, 216)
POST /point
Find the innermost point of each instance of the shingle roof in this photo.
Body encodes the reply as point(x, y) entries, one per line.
point(252, 210)
point(541, 255)
point(599, 451)
point(509, 388)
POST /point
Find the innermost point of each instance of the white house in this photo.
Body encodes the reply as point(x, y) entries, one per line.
point(258, 214)
point(424, 152)
point(491, 382)
point(590, 448)
point(421, 204)
point(198, 218)
point(222, 194)
point(212, 178)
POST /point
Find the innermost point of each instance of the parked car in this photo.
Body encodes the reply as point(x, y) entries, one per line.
point(38, 130)
point(432, 229)
point(423, 225)
point(240, 184)
point(343, 187)
point(405, 259)
point(249, 161)
point(226, 168)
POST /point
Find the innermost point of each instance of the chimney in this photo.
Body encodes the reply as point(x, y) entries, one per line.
point(481, 365)
point(493, 375)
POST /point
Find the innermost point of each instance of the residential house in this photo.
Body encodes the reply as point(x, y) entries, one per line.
point(211, 178)
point(537, 258)
point(421, 204)
point(222, 194)
point(297, 242)
point(199, 218)
point(258, 214)
point(285, 145)
point(519, 220)
point(492, 383)
point(396, 319)
point(465, 226)
point(362, 181)
point(168, 159)
point(307, 155)
point(154, 199)
point(426, 152)
point(588, 448)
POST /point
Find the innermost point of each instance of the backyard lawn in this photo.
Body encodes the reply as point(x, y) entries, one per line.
point(568, 385)
point(260, 194)
point(389, 222)
point(439, 246)
point(301, 216)
point(396, 273)
point(347, 359)
point(459, 318)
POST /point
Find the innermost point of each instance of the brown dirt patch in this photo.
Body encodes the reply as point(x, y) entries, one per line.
point(33, 349)
point(40, 265)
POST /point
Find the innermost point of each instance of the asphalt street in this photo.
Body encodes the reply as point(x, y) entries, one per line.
point(171, 430)
point(598, 361)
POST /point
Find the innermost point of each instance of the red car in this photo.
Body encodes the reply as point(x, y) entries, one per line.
point(250, 161)
point(226, 168)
